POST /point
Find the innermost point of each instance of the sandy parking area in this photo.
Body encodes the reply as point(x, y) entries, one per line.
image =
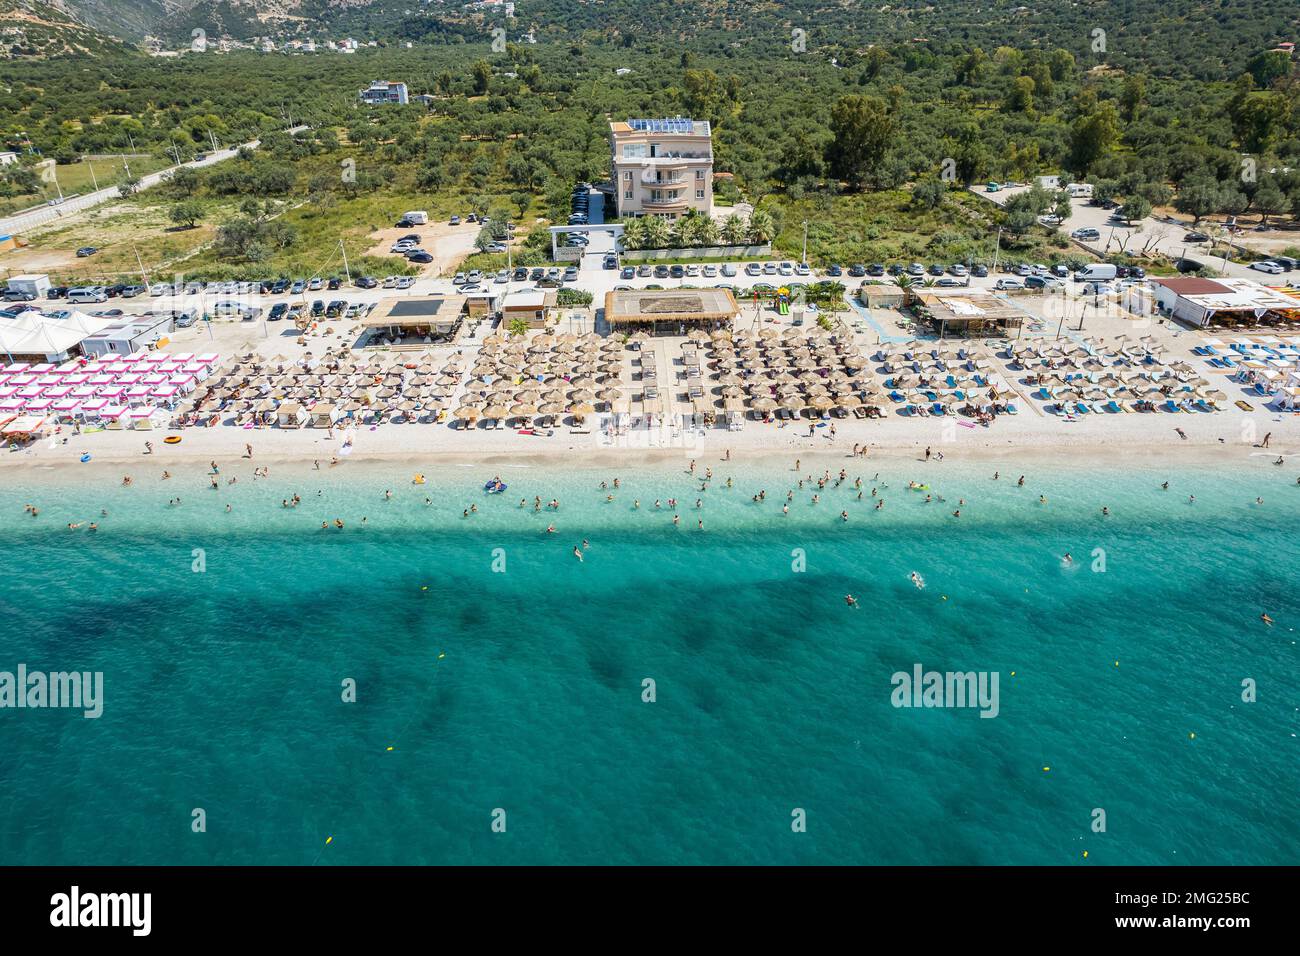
point(449, 245)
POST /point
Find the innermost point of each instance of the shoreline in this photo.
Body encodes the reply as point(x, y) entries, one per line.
point(295, 458)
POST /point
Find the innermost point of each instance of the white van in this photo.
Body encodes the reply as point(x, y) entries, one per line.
point(1103, 271)
point(1080, 190)
point(416, 217)
point(88, 293)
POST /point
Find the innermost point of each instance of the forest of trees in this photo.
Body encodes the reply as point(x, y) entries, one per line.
point(825, 119)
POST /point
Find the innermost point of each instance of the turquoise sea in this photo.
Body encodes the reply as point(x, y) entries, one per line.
point(522, 689)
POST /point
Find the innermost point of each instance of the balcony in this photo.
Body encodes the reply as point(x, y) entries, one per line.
point(664, 203)
point(652, 177)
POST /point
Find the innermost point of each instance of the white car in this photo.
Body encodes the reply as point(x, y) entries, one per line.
point(1008, 285)
point(1098, 289)
point(404, 282)
point(1269, 266)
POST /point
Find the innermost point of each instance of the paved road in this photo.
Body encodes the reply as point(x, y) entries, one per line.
point(17, 224)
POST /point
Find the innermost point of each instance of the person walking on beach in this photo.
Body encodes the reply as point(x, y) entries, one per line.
point(148, 448)
point(248, 451)
point(927, 452)
point(1264, 443)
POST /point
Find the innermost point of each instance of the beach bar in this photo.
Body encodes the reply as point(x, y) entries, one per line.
point(669, 311)
point(967, 313)
point(425, 320)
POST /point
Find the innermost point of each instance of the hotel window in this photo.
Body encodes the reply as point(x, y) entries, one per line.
point(634, 151)
point(699, 174)
point(627, 194)
point(699, 194)
point(627, 176)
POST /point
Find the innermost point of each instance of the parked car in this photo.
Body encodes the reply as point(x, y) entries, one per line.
point(661, 272)
point(769, 268)
point(710, 272)
point(1267, 265)
point(1007, 284)
point(979, 271)
point(315, 284)
point(753, 269)
point(404, 282)
point(950, 282)
point(957, 269)
point(335, 308)
point(299, 286)
point(1086, 234)
point(857, 270)
point(502, 277)
point(728, 269)
point(627, 272)
point(643, 271)
point(318, 308)
point(610, 262)
point(420, 256)
point(916, 269)
point(1196, 237)
point(521, 274)
point(834, 270)
point(802, 269)
point(459, 279)
point(454, 221)
point(131, 291)
point(19, 295)
point(334, 283)
point(474, 276)
point(61, 292)
point(570, 274)
point(277, 312)
point(676, 271)
point(1042, 282)
point(85, 251)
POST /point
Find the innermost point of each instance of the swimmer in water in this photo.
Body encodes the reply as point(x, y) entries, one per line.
point(1021, 482)
point(850, 600)
point(577, 553)
point(1042, 499)
point(1105, 511)
point(550, 529)
point(916, 579)
point(1266, 619)
point(1067, 559)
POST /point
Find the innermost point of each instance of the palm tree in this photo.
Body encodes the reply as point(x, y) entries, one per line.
point(708, 231)
point(760, 226)
point(734, 232)
point(690, 228)
point(633, 233)
point(658, 232)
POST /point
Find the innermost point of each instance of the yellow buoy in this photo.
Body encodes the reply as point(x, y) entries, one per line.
point(329, 840)
point(388, 748)
point(1192, 736)
point(1046, 769)
point(441, 656)
point(1085, 854)
point(1013, 673)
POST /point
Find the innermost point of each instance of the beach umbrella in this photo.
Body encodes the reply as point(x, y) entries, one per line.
point(581, 395)
point(581, 409)
point(551, 408)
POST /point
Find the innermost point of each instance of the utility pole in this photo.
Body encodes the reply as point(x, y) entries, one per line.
point(93, 178)
point(997, 245)
point(143, 274)
point(805, 242)
point(344, 250)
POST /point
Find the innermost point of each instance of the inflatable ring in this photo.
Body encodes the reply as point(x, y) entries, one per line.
point(172, 440)
point(86, 457)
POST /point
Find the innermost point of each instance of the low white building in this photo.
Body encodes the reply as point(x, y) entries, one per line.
point(8, 158)
point(128, 335)
point(1199, 301)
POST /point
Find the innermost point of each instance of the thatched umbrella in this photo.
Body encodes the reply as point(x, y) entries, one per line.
point(581, 410)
